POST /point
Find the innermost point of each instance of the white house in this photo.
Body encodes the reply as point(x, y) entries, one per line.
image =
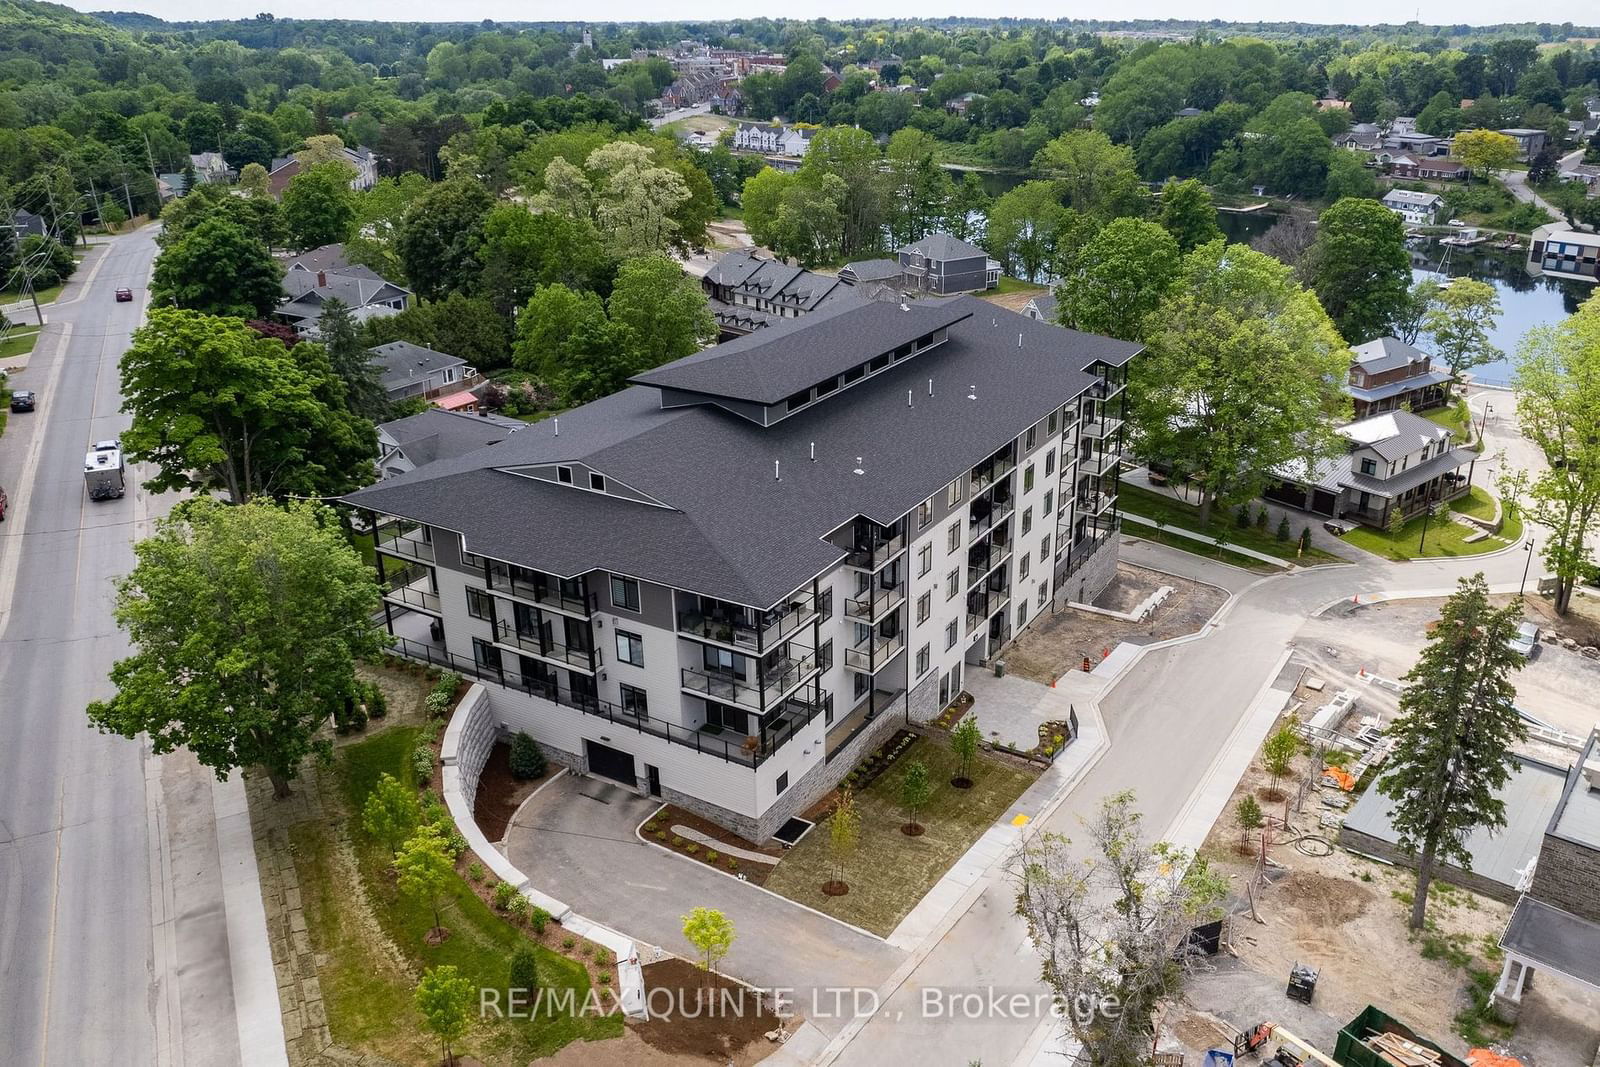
point(1417, 209)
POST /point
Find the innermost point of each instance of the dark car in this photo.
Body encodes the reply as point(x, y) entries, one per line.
point(23, 400)
point(3, 503)
point(124, 295)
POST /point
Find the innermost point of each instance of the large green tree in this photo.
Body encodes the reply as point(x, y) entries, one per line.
point(246, 624)
point(1360, 268)
point(1242, 374)
point(1460, 319)
point(464, 326)
point(1095, 176)
point(1112, 284)
point(1454, 738)
point(1026, 225)
point(1188, 214)
point(664, 307)
point(852, 156)
point(440, 235)
point(217, 406)
point(219, 269)
point(522, 250)
point(319, 207)
point(350, 359)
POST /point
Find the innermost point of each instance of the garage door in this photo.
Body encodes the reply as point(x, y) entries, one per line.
point(611, 763)
point(1323, 502)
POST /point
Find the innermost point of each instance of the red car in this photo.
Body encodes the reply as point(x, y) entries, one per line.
point(124, 294)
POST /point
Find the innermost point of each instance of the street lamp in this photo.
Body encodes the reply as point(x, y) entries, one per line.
point(1427, 513)
point(1527, 548)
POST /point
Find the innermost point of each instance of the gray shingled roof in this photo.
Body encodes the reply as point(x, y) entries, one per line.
point(1386, 354)
point(401, 362)
point(1555, 939)
point(788, 356)
point(327, 257)
point(1412, 476)
point(873, 270)
point(437, 434)
point(729, 528)
point(942, 246)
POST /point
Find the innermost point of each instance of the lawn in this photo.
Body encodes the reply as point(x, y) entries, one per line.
point(891, 872)
point(1189, 544)
point(1009, 284)
point(1445, 538)
point(19, 341)
point(370, 937)
point(1458, 420)
point(1477, 503)
point(1171, 512)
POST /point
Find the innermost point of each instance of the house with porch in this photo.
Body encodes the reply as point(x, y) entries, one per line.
point(726, 583)
point(1417, 209)
point(1555, 926)
point(406, 370)
point(1389, 375)
point(940, 263)
point(1396, 460)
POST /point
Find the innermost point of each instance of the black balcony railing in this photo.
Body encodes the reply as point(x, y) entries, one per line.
point(876, 552)
point(405, 541)
point(738, 630)
point(546, 592)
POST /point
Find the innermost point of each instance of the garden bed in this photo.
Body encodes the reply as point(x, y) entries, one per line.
point(657, 829)
point(871, 769)
point(953, 714)
point(501, 793)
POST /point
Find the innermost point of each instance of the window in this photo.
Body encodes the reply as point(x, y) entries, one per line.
point(564, 475)
point(952, 584)
point(952, 493)
point(1044, 547)
point(630, 648)
point(1022, 616)
point(953, 537)
point(1044, 593)
point(924, 560)
point(798, 400)
point(1049, 502)
point(1031, 439)
point(924, 513)
point(1027, 478)
point(783, 782)
point(1023, 567)
point(1369, 466)
point(952, 634)
point(625, 593)
point(634, 702)
point(597, 481)
point(825, 605)
point(923, 655)
point(479, 606)
point(1050, 463)
point(825, 655)
point(1050, 428)
point(1027, 521)
point(485, 654)
point(924, 607)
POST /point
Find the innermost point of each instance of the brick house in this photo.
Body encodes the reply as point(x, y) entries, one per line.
point(1387, 375)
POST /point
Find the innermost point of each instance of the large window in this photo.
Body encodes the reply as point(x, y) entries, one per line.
point(952, 493)
point(1027, 478)
point(952, 634)
point(630, 648)
point(952, 584)
point(1027, 521)
point(625, 593)
point(924, 607)
point(634, 701)
point(952, 536)
point(485, 654)
point(479, 605)
point(923, 654)
point(924, 513)
point(924, 560)
point(1031, 439)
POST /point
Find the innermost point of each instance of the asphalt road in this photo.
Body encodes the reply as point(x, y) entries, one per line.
point(108, 945)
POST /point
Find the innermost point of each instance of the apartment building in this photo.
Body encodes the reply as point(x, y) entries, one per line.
point(725, 584)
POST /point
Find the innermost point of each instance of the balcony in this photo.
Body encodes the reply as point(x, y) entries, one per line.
point(982, 610)
point(876, 553)
point(543, 590)
point(1092, 504)
point(413, 588)
point(981, 520)
point(875, 653)
point(737, 631)
point(982, 561)
point(1106, 388)
point(531, 644)
point(985, 475)
point(1102, 427)
point(395, 539)
point(875, 605)
point(754, 694)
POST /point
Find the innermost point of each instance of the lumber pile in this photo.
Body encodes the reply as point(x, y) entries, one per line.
point(1392, 1048)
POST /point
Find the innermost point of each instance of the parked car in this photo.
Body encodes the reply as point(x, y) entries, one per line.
point(1526, 643)
point(1455, 222)
point(124, 295)
point(3, 503)
point(23, 400)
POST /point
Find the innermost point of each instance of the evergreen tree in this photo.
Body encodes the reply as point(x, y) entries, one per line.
point(352, 362)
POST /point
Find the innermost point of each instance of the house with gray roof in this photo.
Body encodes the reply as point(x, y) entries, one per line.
point(940, 263)
point(748, 292)
point(867, 271)
point(365, 292)
point(429, 436)
point(726, 583)
point(1042, 307)
point(1395, 460)
point(1416, 208)
point(1555, 926)
point(1387, 374)
point(406, 370)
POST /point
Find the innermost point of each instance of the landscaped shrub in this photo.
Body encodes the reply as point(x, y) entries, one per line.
point(475, 871)
point(526, 759)
point(1261, 519)
point(517, 908)
point(567, 943)
point(377, 703)
point(422, 765)
point(1283, 529)
point(711, 855)
point(538, 918)
point(605, 978)
point(661, 835)
point(437, 703)
point(733, 863)
point(1241, 518)
point(504, 894)
point(524, 970)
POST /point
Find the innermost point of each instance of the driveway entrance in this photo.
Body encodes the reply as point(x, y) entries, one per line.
point(610, 763)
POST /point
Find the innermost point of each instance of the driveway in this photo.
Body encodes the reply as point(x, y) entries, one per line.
point(575, 840)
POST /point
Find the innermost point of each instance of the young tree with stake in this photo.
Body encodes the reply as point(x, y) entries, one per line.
point(390, 813)
point(1454, 736)
point(426, 866)
point(444, 997)
point(1277, 755)
point(964, 741)
point(711, 933)
point(915, 789)
point(844, 833)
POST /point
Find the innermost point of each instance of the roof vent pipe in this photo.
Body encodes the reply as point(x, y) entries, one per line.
point(930, 386)
point(557, 424)
point(775, 470)
point(1019, 340)
point(908, 398)
point(859, 468)
point(813, 451)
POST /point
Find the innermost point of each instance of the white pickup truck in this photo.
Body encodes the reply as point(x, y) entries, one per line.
point(102, 471)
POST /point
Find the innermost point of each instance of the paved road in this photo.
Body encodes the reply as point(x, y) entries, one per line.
point(1516, 182)
point(112, 945)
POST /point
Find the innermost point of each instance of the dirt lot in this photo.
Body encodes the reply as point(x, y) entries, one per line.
point(1557, 686)
point(1015, 300)
point(1058, 644)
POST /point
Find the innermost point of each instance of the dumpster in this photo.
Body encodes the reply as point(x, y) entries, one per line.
point(1353, 1048)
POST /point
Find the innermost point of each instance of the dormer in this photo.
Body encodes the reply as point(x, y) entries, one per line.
point(584, 478)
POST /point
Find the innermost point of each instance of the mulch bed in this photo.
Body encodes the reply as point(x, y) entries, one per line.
point(950, 716)
point(695, 1013)
point(671, 816)
point(500, 792)
point(868, 770)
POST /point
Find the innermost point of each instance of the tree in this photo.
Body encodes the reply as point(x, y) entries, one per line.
point(1288, 240)
point(915, 790)
point(1241, 375)
point(1348, 175)
point(637, 201)
point(1569, 197)
point(1248, 816)
point(852, 156)
point(1188, 214)
point(219, 269)
point(1096, 176)
point(548, 327)
point(844, 834)
point(1105, 925)
point(390, 813)
point(321, 148)
point(216, 405)
point(1460, 320)
point(760, 198)
point(527, 761)
point(1396, 522)
point(711, 933)
point(1485, 151)
point(964, 741)
point(464, 326)
point(352, 362)
point(42, 263)
point(524, 972)
point(1023, 227)
point(1454, 738)
point(319, 207)
point(444, 997)
point(1413, 317)
point(426, 867)
point(665, 308)
point(1277, 756)
point(1557, 386)
point(1112, 284)
point(235, 691)
point(522, 250)
point(439, 237)
point(1360, 269)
